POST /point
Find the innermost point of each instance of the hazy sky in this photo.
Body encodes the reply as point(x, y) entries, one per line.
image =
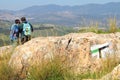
point(20, 4)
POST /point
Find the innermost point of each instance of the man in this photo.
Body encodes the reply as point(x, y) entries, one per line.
point(25, 29)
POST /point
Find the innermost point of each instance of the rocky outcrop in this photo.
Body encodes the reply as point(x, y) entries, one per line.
point(75, 47)
point(6, 50)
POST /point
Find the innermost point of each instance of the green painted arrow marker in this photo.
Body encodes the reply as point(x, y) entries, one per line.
point(95, 51)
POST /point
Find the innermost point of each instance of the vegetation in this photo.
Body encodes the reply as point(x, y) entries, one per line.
point(4, 40)
point(55, 69)
point(113, 25)
point(55, 31)
point(39, 30)
point(108, 65)
point(94, 27)
point(6, 71)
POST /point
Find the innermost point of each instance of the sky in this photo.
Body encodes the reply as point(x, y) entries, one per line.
point(21, 4)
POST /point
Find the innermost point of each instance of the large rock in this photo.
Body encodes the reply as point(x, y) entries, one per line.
point(6, 50)
point(75, 47)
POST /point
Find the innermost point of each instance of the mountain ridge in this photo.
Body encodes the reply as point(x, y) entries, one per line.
point(68, 15)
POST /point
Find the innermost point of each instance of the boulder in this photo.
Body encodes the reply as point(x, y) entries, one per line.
point(5, 50)
point(75, 47)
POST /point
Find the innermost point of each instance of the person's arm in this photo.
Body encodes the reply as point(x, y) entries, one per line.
point(12, 30)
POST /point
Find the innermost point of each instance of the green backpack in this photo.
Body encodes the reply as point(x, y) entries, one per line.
point(26, 29)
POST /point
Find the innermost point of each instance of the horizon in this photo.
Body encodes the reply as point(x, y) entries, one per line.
point(29, 3)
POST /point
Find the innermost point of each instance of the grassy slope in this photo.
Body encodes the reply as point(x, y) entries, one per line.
point(55, 31)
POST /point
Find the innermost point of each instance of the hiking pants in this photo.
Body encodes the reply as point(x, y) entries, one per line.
point(25, 39)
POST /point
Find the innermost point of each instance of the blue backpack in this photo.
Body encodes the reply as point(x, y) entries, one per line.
point(26, 29)
point(16, 29)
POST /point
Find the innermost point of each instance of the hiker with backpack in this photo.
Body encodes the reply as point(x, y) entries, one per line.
point(14, 32)
point(25, 29)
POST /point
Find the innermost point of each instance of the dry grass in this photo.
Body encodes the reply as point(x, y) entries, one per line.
point(54, 69)
point(113, 25)
point(108, 65)
point(6, 72)
point(50, 70)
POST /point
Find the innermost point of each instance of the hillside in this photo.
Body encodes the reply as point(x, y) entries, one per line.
point(39, 30)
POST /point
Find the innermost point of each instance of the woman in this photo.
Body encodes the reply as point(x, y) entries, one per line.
point(14, 32)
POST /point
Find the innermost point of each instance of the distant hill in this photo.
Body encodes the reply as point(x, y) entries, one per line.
point(67, 15)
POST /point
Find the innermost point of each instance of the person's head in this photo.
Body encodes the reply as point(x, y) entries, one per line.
point(17, 21)
point(23, 19)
